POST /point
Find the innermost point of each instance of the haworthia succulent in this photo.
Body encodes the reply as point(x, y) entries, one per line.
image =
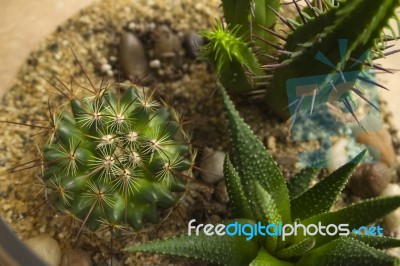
point(253, 162)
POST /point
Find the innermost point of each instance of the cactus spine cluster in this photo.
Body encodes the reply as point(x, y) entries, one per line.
point(114, 159)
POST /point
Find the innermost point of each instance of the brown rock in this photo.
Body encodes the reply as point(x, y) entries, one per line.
point(221, 193)
point(46, 248)
point(76, 257)
point(132, 57)
point(380, 145)
point(370, 179)
point(192, 42)
point(167, 44)
point(212, 165)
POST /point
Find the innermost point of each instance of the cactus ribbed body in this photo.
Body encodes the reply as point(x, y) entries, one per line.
point(114, 161)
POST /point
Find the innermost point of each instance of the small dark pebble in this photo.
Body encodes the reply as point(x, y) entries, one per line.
point(53, 46)
point(192, 42)
point(167, 44)
point(76, 257)
point(132, 57)
point(370, 179)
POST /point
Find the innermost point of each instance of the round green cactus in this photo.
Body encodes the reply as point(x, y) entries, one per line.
point(115, 160)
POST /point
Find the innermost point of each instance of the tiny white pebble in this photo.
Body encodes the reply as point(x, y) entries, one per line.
point(132, 25)
point(110, 73)
point(57, 56)
point(151, 26)
point(105, 68)
point(392, 221)
point(113, 59)
point(155, 63)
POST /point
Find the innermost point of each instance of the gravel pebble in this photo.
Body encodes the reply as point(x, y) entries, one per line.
point(46, 248)
point(76, 257)
point(167, 43)
point(221, 193)
point(370, 179)
point(132, 57)
point(155, 64)
point(192, 42)
point(392, 221)
point(212, 166)
point(380, 145)
point(338, 154)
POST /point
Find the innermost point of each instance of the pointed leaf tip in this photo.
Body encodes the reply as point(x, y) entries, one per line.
point(322, 196)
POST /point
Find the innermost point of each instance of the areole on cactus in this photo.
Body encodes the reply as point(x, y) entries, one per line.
point(115, 159)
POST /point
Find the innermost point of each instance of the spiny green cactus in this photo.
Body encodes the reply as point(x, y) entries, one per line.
point(114, 160)
point(327, 38)
point(232, 56)
point(258, 192)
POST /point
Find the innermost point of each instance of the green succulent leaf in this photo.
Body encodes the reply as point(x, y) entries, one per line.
point(347, 252)
point(379, 242)
point(265, 205)
point(238, 202)
point(300, 182)
point(297, 249)
point(223, 250)
point(253, 162)
point(321, 197)
point(267, 211)
point(355, 215)
point(265, 259)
